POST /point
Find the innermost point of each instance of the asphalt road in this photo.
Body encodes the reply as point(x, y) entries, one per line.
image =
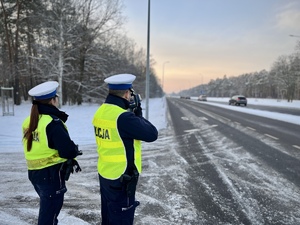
point(291, 111)
point(244, 169)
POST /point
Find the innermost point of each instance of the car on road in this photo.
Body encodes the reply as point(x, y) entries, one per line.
point(202, 98)
point(185, 97)
point(238, 100)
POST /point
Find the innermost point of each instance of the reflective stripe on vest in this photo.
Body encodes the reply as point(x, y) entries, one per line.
point(40, 156)
point(112, 161)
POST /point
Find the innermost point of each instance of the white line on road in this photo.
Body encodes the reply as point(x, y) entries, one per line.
point(195, 130)
point(184, 118)
point(296, 146)
point(203, 118)
point(224, 118)
point(271, 136)
point(192, 130)
point(251, 128)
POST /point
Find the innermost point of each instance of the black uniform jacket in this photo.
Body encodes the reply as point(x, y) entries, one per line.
point(132, 127)
point(58, 139)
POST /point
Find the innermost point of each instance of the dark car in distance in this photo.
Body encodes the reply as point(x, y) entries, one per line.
point(185, 97)
point(238, 100)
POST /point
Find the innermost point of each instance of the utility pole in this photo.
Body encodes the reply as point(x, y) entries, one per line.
point(148, 60)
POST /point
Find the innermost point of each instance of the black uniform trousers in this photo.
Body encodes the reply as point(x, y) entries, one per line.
point(116, 207)
point(51, 201)
point(49, 183)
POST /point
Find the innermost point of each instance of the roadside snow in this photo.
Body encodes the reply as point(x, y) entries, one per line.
point(79, 123)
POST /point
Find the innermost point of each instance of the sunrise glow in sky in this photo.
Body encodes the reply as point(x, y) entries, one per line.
point(204, 40)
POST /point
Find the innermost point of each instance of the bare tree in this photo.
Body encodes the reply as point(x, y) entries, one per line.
point(77, 42)
point(285, 76)
point(12, 42)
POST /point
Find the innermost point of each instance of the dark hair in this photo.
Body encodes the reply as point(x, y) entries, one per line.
point(119, 93)
point(34, 120)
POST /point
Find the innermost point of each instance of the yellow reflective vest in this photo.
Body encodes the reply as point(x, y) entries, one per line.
point(40, 156)
point(112, 161)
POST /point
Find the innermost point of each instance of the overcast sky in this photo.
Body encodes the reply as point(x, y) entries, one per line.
point(206, 39)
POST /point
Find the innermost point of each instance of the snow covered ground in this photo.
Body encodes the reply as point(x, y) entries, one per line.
point(79, 124)
point(19, 202)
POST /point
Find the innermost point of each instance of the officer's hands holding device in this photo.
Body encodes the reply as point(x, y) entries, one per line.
point(135, 104)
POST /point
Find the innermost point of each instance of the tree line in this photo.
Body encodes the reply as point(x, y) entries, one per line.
point(76, 42)
point(282, 81)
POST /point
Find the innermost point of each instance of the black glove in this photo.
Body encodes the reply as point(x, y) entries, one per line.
point(69, 167)
point(78, 151)
point(76, 166)
point(138, 111)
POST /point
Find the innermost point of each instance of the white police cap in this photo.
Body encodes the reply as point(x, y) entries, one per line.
point(44, 90)
point(120, 81)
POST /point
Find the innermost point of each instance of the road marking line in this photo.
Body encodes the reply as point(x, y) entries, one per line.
point(237, 123)
point(192, 130)
point(296, 146)
point(208, 128)
point(195, 130)
point(184, 118)
point(224, 118)
point(203, 118)
point(251, 128)
point(272, 136)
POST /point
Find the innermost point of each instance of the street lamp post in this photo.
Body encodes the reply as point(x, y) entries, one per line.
point(148, 66)
point(163, 75)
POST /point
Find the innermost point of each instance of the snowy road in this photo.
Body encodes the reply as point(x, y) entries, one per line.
point(236, 176)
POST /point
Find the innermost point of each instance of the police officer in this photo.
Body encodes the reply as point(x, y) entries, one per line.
point(119, 133)
point(48, 148)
